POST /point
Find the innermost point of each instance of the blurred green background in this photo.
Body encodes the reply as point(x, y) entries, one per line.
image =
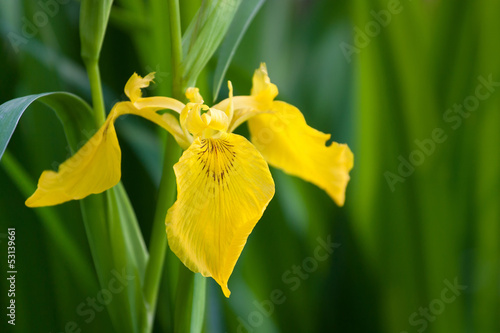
point(410, 86)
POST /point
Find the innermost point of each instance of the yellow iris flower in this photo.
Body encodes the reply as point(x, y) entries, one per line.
point(223, 181)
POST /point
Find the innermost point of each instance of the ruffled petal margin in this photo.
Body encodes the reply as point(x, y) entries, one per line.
point(288, 143)
point(224, 186)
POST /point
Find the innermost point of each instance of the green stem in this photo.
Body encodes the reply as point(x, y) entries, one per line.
point(158, 243)
point(176, 39)
point(96, 90)
point(166, 196)
point(197, 288)
point(189, 301)
point(198, 306)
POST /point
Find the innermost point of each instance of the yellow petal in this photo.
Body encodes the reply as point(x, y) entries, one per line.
point(194, 123)
point(134, 85)
point(288, 143)
point(194, 96)
point(159, 103)
point(262, 88)
point(93, 169)
point(230, 106)
point(223, 186)
point(147, 107)
point(243, 108)
point(217, 120)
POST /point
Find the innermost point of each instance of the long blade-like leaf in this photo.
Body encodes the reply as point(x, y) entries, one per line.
point(71, 109)
point(94, 15)
point(242, 19)
point(208, 37)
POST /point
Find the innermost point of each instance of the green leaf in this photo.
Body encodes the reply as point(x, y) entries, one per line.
point(94, 15)
point(204, 35)
point(74, 113)
point(198, 306)
point(242, 19)
point(129, 252)
point(113, 233)
point(190, 301)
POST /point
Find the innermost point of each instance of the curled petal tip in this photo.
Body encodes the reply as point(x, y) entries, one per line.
point(136, 83)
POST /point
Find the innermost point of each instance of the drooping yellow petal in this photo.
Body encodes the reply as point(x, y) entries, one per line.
point(93, 169)
point(223, 186)
point(96, 166)
point(134, 85)
point(287, 142)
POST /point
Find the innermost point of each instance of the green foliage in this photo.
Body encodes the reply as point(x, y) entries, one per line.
point(94, 15)
point(203, 36)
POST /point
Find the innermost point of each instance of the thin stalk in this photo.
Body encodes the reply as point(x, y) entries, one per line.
point(96, 90)
point(198, 286)
point(158, 243)
point(198, 307)
point(176, 39)
point(166, 196)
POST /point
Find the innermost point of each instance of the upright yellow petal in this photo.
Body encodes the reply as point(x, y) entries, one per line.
point(93, 169)
point(224, 186)
point(287, 142)
point(262, 88)
point(243, 108)
point(194, 96)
